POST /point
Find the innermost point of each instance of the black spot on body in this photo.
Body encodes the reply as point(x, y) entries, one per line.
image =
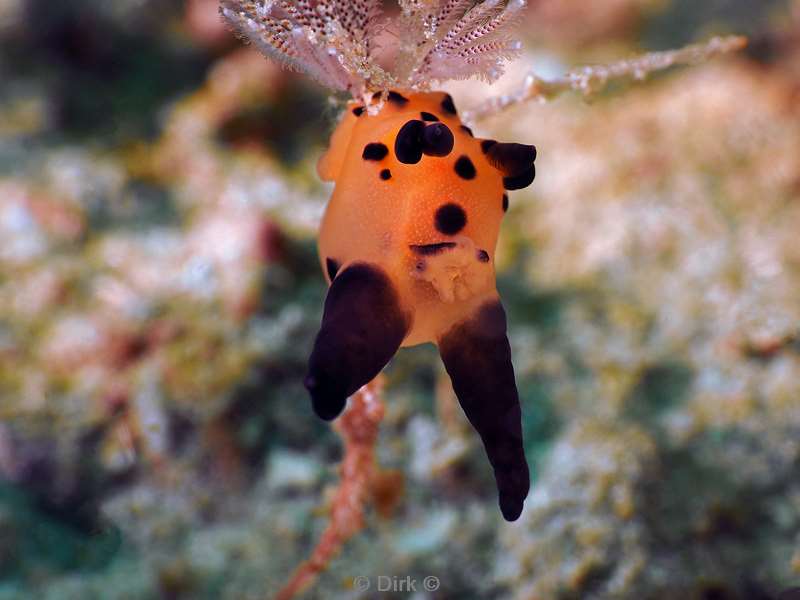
point(375, 151)
point(426, 116)
point(332, 267)
point(483, 256)
point(408, 144)
point(477, 356)
point(358, 111)
point(448, 105)
point(362, 328)
point(432, 249)
point(464, 168)
point(467, 130)
point(450, 219)
point(398, 99)
point(505, 202)
point(437, 140)
point(386, 174)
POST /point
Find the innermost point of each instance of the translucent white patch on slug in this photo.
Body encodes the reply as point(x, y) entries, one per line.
point(457, 274)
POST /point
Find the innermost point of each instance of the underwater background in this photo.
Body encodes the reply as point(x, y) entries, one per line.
point(160, 290)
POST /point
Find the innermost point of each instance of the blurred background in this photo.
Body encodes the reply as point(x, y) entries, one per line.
point(159, 294)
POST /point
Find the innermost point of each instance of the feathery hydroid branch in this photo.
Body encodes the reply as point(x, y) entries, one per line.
point(590, 80)
point(331, 41)
point(457, 39)
point(334, 41)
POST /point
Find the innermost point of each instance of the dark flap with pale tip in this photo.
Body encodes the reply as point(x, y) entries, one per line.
point(514, 161)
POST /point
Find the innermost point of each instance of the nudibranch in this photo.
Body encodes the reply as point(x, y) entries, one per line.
point(408, 240)
point(407, 244)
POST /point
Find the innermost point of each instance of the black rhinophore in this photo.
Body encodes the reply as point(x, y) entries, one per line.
point(437, 140)
point(415, 138)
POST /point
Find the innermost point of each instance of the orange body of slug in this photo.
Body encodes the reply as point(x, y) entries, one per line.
point(408, 243)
